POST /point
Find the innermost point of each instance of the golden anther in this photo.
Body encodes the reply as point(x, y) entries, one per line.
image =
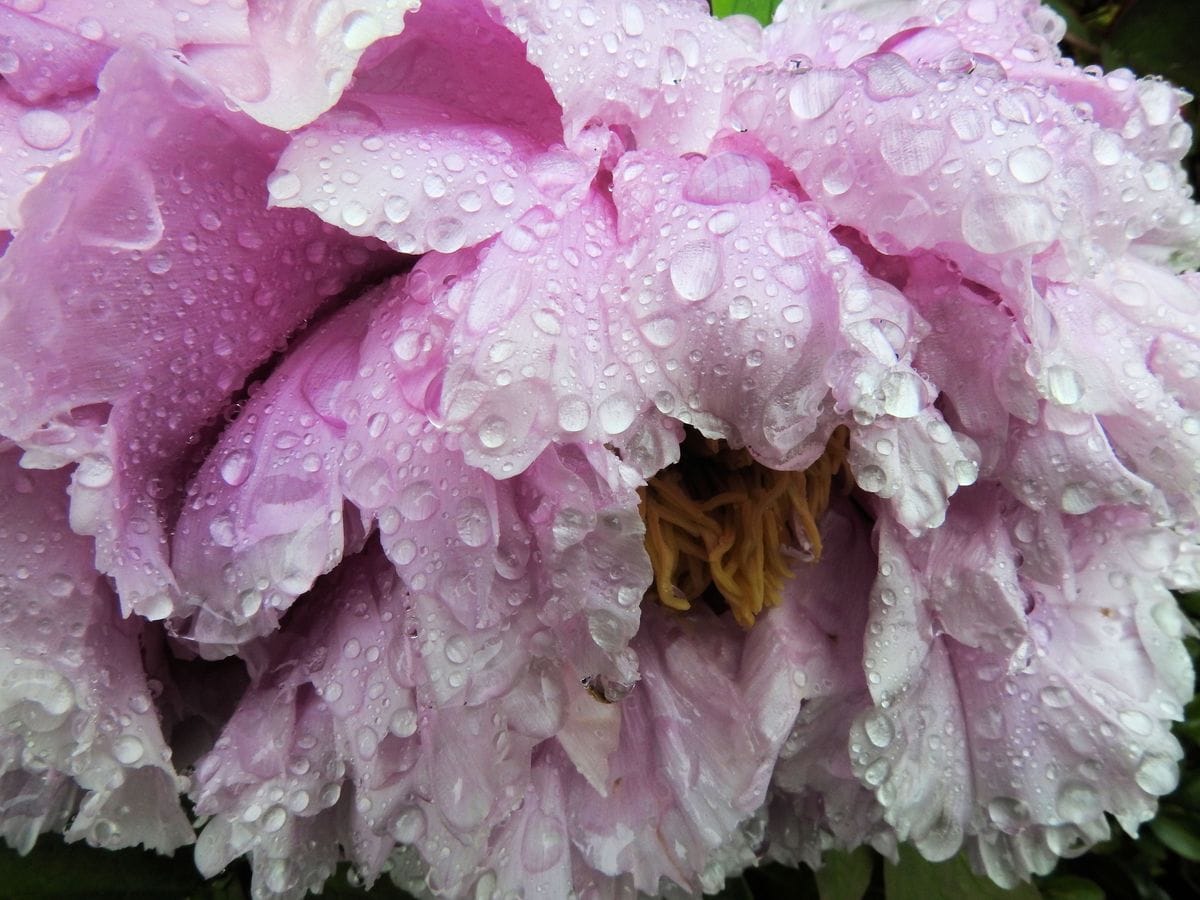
point(718, 519)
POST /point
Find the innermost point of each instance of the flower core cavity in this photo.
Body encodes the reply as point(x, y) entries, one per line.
point(724, 528)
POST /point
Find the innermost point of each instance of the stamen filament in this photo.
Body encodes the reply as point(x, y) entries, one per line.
point(717, 519)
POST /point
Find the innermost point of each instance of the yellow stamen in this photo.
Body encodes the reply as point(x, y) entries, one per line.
point(717, 519)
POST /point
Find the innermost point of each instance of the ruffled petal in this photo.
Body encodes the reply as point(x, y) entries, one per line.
point(699, 736)
point(1023, 744)
point(299, 55)
point(1019, 155)
point(79, 753)
point(32, 139)
point(170, 278)
point(264, 516)
point(426, 151)
point(653, 68)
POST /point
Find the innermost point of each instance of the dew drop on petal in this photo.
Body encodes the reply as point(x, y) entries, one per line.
point(235, 467)
point(44, 129)
point(1029, 165)
point(128, 749)
point(574, 413)
point(814, 93)
point(616, 414)
point(695, 270)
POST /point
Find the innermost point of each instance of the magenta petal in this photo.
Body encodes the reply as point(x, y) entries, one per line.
point(170, 277)
point(79, 753)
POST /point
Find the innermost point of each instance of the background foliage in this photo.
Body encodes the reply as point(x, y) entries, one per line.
point(1148, 36)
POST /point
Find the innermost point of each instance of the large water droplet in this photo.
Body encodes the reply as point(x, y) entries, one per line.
point(815, 92)
point(695, 270)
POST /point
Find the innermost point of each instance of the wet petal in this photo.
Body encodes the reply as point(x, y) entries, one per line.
point(654, 70)
point(78, 753)
point(299, 56)
point(170, 278)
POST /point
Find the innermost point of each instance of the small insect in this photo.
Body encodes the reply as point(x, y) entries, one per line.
point(602, 690)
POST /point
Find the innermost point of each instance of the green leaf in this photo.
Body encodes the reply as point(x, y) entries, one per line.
point(1158, 37)
point(1179, 832)
point(1071, 887)
point(759, 9)
point(917, 879)
point(845, 876)
point(59, 870)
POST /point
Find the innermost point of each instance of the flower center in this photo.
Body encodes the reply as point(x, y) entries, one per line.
point(723, 528)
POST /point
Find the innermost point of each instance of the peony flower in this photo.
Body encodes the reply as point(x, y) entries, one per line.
point(587, 448)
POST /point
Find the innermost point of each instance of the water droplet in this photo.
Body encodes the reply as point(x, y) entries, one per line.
point(236, 466)
point(574, 413)
point(543, 843)
point(1055, 697)
point(354, 214)
point(1064, 385)
point(1157, 775)
point(1029, 165)
point(740, 307)
point(879, 729)
point(44, 129)
point(815, 92)
point(95, 471)
point(695, 270)
point(1008, 813)
point(283, 185)
point(616, 414)
point(1078, 802)
point(493, 432)
point(128, 749)
point(409, 825)
point(359, 30)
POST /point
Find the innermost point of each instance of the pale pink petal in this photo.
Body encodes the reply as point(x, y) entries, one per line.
point(928, 32)
point(299, 55)
point(656, 69)
point(79, 753)
point(164, 24)
point(817, 631)
point(743, 316)
point(699, 736)
point(426, 151)
point(32, 140)
point(264, 515)
point(136, 307)
point(1020, 156)
point(1084, 703)
point(530, 351)
point(419, 175)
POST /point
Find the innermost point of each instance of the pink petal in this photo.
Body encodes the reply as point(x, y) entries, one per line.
point(170, 278)
point(1023, 184)
point(427, 151)
point(264, 516)
point(299, 56)
point(41, 60)
point(535, 320)
point(79, 753)
point(1086, 704)
point(657, 71)
point(32, 140)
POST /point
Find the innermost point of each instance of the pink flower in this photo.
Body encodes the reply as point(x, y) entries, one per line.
point(786, 438)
